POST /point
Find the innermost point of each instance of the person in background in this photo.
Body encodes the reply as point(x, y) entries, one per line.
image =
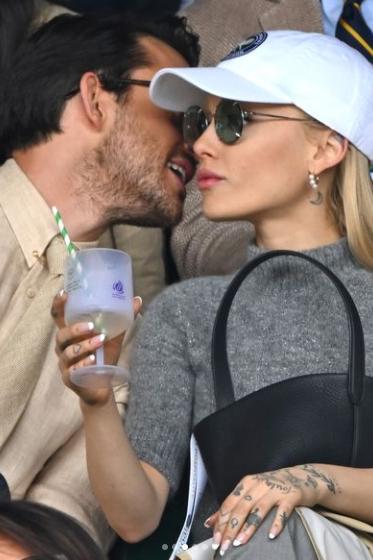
point(280, 143)
point(77, 131)
point(38, 532)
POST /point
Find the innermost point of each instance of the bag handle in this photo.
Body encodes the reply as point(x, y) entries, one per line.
point(224, 393)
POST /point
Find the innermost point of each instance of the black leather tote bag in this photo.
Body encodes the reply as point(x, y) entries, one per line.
point(314, 418)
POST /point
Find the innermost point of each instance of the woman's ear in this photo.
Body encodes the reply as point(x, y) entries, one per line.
point(330, 150)
point(92, 96)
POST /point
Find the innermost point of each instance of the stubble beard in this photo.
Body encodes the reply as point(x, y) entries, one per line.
point(123, 179)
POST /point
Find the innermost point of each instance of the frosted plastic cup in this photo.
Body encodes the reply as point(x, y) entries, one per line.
point(100, 289)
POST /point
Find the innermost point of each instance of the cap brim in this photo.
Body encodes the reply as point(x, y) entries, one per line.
point(176, 89)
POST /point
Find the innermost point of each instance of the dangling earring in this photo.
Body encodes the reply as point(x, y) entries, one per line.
point(314, 184)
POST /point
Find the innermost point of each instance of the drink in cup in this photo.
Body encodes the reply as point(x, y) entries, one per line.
point(99, 287)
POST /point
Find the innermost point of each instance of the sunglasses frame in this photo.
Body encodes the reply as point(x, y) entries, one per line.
point(246, 117)
point(115, 83)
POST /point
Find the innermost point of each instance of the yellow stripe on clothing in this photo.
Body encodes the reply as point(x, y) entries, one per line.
point(356, 36)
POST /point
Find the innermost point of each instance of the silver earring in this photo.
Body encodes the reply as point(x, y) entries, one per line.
point(314, 184)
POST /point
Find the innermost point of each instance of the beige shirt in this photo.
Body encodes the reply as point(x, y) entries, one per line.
point(42, 454)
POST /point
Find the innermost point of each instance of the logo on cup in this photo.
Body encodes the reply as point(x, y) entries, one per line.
point(118, 290)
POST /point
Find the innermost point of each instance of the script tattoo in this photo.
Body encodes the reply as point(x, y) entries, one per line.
point(286, 481)
point(274, 482)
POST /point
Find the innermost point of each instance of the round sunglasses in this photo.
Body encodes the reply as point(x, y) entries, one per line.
point(229, 119)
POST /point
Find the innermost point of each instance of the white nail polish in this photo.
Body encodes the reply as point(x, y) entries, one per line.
point(92, 357)
point(237, 542)
point(102, 337)
point(139, 299)
point(90, 326)
point(61, 292)
point(271, 536)
point(224, 547)
point(215, 546)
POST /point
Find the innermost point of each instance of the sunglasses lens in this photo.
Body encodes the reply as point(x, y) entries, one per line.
point(228, 121)
point(194, 124)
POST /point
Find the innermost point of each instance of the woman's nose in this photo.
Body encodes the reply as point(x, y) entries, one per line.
point(208, 143)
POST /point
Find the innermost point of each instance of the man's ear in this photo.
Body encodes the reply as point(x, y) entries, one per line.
point(92, 96)
point(330, 150)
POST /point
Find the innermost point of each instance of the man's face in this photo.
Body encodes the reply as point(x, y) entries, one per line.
point(144, 162)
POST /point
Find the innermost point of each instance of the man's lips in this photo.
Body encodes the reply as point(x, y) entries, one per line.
point(184, 168)
point(207, 179)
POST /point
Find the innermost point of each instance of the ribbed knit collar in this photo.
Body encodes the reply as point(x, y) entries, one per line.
point(335, 255)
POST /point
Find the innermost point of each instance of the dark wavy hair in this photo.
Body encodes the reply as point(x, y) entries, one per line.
point(45, 533)
point(38, 73)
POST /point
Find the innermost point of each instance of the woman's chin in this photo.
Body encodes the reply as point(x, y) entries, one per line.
point(217, 213)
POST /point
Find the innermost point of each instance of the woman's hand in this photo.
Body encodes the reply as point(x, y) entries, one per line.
point(254, 497)
point(76, 346)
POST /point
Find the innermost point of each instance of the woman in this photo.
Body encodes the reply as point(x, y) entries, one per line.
point(38, 532)
point(281, 142)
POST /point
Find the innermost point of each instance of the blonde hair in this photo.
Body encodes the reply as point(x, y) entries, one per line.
point(351, 200)
point(351, 203)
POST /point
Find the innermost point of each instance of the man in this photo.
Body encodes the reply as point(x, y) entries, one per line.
point(81, 134)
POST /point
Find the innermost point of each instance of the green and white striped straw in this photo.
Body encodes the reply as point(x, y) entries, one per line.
point(63, 231)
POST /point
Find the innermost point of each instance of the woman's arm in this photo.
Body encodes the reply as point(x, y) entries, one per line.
point(132, 494)
point(341, 489)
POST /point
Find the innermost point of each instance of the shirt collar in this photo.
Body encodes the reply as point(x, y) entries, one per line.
point(26, 211)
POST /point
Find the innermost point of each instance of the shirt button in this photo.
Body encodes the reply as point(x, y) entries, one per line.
point(30, 293)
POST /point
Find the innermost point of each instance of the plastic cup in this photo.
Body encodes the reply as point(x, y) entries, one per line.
point(100, 289)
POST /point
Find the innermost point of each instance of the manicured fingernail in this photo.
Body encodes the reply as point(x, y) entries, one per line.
point(86, 327)
point(224, 547)
point(238, 540)
point(61, 293)
point(139, 299)
point(272, 535)
point(216, 541)
point(92, 358)
point(207, 523)
point(101, 337)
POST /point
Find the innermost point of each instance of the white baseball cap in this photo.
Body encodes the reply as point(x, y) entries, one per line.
point(321, 75)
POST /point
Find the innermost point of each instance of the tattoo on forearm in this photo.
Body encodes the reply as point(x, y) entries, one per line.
point(313, 473)
point(310, 481)
point(286, 481)
point(238, 490)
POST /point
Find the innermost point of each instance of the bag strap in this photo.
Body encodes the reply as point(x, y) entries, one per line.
point(224, 393)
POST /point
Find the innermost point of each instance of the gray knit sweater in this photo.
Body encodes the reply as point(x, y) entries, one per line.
point(287, 319)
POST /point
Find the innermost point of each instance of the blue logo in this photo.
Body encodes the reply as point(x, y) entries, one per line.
point(118, 288)
point(250, 44)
